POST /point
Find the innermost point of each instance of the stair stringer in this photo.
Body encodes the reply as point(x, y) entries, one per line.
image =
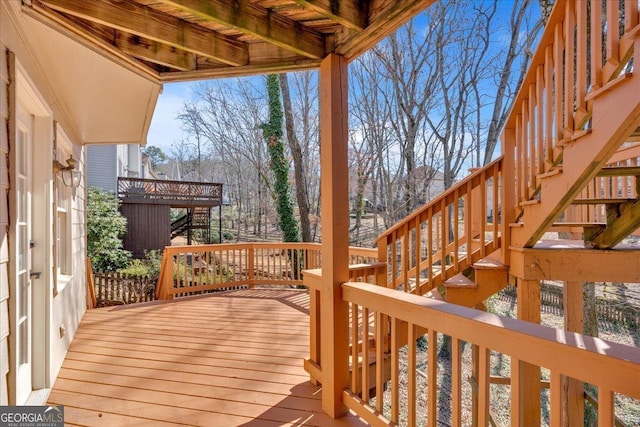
point(614, 118)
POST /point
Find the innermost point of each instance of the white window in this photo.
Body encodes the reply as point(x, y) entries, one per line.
point(63, 210)
point(63, 227)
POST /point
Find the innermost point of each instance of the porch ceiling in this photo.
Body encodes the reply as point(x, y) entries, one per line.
point(175, 40)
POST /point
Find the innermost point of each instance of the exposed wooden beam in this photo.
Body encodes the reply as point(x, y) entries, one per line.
point(156, 26)
point(345, 12)
point(265, 58)
point(627, 221)
point(383, 22)
point(257, 21)
point(155, 52)
point(88, 39)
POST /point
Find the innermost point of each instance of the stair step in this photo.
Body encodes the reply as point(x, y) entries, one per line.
point(620, 171)
point(459, 281)
point(434, 294)
point(530, 202)
point(553, 172)
point(567, 225)
point(489, 264)
point(573, 137)
point(612, 201)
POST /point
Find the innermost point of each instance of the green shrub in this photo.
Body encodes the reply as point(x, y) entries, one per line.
point(147, 267)
point(105, 228)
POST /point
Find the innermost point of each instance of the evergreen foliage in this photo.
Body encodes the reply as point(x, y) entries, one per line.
point(273, 133)
point(105, 228)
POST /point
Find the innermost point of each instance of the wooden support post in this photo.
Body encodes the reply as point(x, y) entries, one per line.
point(508, 200)
point(572, 389)
point(335, 233)
point(525, 390)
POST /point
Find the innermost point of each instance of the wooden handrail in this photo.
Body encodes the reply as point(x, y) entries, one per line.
point(555, 101)
point(447, 235)
point(556, 349)
point(193, 269)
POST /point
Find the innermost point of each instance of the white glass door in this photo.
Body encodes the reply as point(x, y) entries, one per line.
point(24, 329)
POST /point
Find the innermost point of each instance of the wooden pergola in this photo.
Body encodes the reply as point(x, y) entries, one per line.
point(178, 40)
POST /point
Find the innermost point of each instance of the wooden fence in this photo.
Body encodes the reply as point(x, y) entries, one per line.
point(608, 310)
point(116, 288)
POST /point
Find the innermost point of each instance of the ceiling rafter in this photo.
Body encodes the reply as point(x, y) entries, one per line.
point(153, 25)
point(155, 52)
point(82, 35)
point(381, 24)
point(256, 21)
point(344, 12)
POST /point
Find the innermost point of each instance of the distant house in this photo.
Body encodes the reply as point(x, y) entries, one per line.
point(106, 163)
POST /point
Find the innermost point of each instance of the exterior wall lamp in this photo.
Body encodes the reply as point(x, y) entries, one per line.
point(70, 176)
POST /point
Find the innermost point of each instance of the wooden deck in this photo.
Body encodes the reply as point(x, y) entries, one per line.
point(229, 359)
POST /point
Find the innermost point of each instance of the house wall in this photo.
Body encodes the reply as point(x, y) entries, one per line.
point(58, 302)
point(105, 163)
point(4, 222)
point(102, 168)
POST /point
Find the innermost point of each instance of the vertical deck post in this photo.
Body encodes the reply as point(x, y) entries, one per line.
point(573, 389)
point(526, 393)
point(335, 233)
point(508, 198)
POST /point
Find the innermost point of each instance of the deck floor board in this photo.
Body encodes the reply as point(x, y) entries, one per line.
point(229, 359)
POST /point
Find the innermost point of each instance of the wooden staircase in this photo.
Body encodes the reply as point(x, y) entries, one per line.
point(568, 165)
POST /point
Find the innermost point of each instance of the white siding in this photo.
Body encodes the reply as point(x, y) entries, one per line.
point(4, 221)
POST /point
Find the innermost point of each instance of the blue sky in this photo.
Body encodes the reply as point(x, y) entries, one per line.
point(165, 128)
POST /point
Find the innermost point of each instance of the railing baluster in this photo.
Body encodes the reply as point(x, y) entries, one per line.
point(548, 110)
point(612, 60)
point(365, 354)
point(606, 414)
point(354, 348)
point(539, 116)
point(411, 375)
point(418, 254)
point(581, 62)
point(483, 386)
point(596, 44)
point(519, 164)
point(555, 404)
point(454, 224)
point(445, 237)
point(430, 243)
point(404, 257)
point(395, 372)
point(531, 138)
point(380, 337)
point(558, 58)
point(432, 378)
point(456, 383)
point(569, 55)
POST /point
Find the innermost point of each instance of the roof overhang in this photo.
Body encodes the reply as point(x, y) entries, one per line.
point(94, 98)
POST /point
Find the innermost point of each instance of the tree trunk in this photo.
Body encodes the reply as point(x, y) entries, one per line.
point(272, 132)
point(298, 161)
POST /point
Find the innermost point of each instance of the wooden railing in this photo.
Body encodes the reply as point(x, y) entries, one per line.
point(583, 53)
point(187, 270)
point(410, 317)
point(618, 186)
point(447, 235)
point(372, 272)
point(138, 190)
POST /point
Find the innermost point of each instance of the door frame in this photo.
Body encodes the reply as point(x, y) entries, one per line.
point(25, 93)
